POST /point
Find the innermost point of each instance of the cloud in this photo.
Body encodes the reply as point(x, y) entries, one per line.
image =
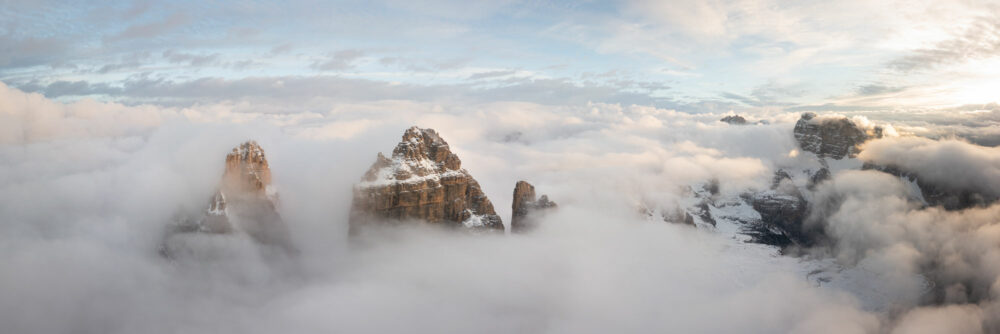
point(340, 60)
point(952, 319)
point(190, 59)
point(277, 91)
point(151, 29)
point(74, 186)
point(769, 94)
point(416, 64)
point(942, 260)
point(730, 46)
point(282, 48)
point(30, 51)
point(85, 204)
point(980, 40)
point(875, 89)
point(28, 118)
point(491, 74)
point(702, 19)
point(951, 164)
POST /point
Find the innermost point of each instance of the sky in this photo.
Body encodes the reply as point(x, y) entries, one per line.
point(705, 56)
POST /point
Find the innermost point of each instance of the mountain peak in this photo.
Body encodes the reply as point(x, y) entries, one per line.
point(423, 180)
point(419, 144)
point(829, 136)
point(420, 153)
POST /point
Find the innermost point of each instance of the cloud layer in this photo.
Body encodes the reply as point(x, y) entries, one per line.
point(87, 189)
point(85, 209)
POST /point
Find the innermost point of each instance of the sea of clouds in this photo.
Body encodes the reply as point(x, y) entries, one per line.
point(88, 188)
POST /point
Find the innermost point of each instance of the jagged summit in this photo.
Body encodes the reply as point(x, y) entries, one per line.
point(422, 153)
point(424, 181)
point(526, 205)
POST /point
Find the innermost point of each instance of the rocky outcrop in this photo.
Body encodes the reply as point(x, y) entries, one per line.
point(781, 216)
point(934, 194)
point(734, 120)
point(526, 207)
point(422, 181)
point(830, 137)
point(783, 211)
point(702, 210)
point(245, 202)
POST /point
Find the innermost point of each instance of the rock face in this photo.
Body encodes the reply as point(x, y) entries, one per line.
point(829, 137)
point(734, 120)
point(244, 202)
point(783, 210)
point(423, 181)
point(781, 216)
point(526, 207)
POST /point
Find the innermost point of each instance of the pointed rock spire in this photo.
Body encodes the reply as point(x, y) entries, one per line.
point(526, 207)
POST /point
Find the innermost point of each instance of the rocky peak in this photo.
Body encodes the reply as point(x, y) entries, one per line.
point(421, 153)
point(734, 120)
point(422, 181)
point(834, 137)
point(526, 206)
point(243, 203)
point(420, 144)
